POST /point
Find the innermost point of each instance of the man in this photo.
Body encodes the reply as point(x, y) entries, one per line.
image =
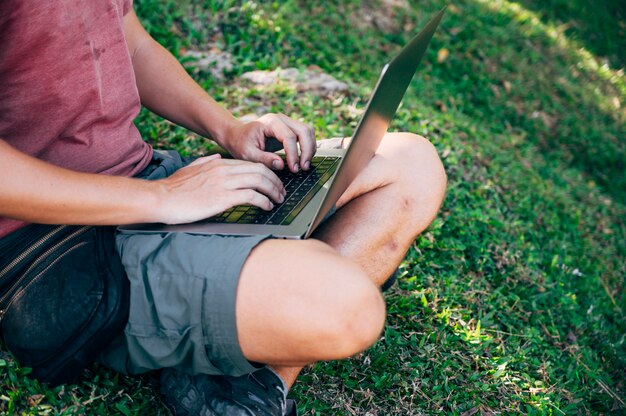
point(231, 319)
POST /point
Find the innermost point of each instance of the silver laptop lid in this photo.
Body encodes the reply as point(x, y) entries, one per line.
point(384, 101)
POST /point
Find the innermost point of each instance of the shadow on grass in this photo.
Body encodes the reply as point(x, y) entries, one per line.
point(514, 71)
point(598, 25)
point(496, 308)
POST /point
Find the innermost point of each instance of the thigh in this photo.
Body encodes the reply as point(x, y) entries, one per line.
point(299, 302)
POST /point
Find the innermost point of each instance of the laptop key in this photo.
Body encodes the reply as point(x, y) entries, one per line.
point(300, 188)
point(234, 216)
point(294, 213)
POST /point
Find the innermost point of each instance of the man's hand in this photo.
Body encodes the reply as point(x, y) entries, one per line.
point(166, 88)
point(248, 142)
point(36, 191)
point(211, 185)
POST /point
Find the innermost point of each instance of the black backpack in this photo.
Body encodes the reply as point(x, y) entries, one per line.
point(64, 296)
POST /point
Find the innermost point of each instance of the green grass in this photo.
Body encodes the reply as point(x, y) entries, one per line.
point(513, 300)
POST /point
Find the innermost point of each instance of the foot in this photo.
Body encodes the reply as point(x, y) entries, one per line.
point(333, 143)
point(262, 393)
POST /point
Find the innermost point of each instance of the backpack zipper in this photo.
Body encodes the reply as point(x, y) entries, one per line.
point(29, 250)
point(55, 261)
point(37, 261)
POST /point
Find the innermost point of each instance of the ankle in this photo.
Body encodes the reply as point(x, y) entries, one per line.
point(287, 374)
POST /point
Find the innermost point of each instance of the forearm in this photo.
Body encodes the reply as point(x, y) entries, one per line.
point(166, 88)
point(36, 191)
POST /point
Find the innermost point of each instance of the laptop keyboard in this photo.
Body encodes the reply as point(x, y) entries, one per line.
point(300, 187)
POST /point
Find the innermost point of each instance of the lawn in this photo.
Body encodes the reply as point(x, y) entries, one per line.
point(513, 301)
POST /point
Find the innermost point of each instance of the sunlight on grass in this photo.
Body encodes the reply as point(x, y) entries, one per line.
point(512, 301)
point(586, 61)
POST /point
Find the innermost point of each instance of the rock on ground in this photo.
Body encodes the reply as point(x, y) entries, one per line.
point(311, 79)
point(213, 61)
point(382, 15)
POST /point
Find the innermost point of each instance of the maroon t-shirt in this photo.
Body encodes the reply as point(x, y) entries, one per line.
point(67, 88)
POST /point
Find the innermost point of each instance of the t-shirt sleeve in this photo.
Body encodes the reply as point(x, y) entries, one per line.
point(127, 5)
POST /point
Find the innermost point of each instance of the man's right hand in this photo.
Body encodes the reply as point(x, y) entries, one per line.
point(211, 185)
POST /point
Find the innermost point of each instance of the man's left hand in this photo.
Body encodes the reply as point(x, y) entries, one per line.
point(248, 142)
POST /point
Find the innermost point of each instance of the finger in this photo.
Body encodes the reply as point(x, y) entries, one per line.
point(288, 138)
point(240, 167)
point(273, 178)
point(259, 183)
point(251, 197)
point(271, 160)
point(205, 159)
point(306, 139)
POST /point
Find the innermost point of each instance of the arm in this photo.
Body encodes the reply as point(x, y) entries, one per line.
point(36, 191)
point(166, 88)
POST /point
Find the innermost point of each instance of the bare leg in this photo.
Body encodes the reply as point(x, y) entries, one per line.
point(382, 212)
point(299, 302)
point(321, 301)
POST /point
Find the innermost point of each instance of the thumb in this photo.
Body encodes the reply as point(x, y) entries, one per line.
point(271, 160)
point(205, 159)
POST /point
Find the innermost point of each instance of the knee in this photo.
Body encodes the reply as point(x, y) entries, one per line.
point(420, 173)
point(419, 161)
point(355, 322)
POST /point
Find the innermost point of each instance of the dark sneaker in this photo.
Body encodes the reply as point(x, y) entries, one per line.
point(292, 409)
point(262, 393)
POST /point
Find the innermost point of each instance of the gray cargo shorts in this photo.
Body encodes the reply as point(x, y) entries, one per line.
point(182, 297)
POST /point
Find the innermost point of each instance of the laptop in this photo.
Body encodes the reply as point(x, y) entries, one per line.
point(312, 194)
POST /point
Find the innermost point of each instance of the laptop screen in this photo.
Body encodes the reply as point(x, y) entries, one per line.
point(383, 104)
